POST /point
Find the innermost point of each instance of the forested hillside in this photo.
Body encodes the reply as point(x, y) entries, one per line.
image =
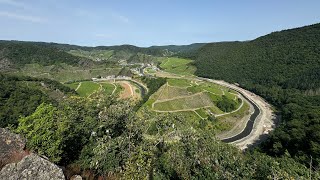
point(20, 53)
point(20, 96)
point(284, 68)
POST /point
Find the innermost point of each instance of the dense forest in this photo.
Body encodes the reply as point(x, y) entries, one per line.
point(284, 68)
point(20, 96)
point(21, 53)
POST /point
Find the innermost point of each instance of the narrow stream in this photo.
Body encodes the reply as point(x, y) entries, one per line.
point(141, 88)
point(249, 126)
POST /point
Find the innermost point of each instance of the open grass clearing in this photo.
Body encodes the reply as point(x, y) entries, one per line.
point(87, 88)
point(108, 88)
point(178, 66)
point(184, 83)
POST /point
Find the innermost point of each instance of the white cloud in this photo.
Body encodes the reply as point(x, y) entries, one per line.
point(22, 17)
point(13, 3)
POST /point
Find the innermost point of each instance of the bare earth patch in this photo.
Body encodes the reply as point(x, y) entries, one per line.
point(127, 90)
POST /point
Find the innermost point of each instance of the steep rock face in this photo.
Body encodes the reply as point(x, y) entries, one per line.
point(32, 167)
point(11, 147)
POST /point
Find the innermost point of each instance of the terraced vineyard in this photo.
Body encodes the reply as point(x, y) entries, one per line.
point(199, 100)
point(195, 96)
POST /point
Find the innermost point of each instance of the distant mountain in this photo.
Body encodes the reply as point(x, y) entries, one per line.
point(180, 48)
point(15, 54)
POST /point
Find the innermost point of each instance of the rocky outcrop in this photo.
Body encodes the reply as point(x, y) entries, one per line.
point(11, 147)
point(32, 167)
point(19, 164)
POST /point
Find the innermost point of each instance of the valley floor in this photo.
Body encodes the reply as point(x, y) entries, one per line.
point(263, 124)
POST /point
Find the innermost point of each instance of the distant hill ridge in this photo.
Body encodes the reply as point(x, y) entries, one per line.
point(14, 54)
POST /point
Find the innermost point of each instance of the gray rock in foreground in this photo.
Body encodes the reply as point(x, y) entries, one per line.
point(11, 146)
point(32, 167)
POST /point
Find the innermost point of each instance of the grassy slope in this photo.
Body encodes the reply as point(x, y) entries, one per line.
point(179, 82)
point(107, 88)
point(178, 66)
point(87, 88)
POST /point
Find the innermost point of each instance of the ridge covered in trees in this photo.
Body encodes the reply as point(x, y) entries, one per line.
point(284, 68)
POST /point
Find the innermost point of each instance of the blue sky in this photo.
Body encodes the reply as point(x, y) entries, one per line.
point(149, 22)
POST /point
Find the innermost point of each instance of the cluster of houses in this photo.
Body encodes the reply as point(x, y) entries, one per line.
point(112, 77)
point(139, 71)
